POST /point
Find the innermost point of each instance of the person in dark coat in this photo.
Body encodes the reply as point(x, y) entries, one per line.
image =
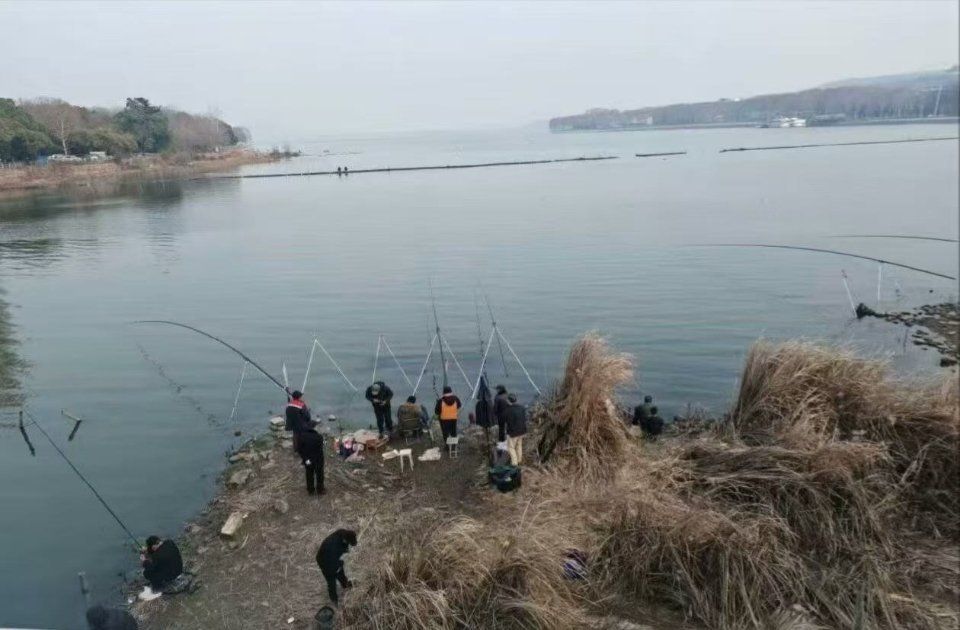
point(379, 396)
point(448, 410)
point(641, 413)
point(500, 404)
point(298, 417)
point(654, 424)
point(101, 618)
point(515, 418)
point(311, 454)
point(329, 559)
point(162, 562)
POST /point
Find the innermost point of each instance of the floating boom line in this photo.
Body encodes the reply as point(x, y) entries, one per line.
point(218, 340)
point(829, 251)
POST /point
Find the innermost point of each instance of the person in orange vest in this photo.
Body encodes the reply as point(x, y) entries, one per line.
point(297, 418)
point(448, 410)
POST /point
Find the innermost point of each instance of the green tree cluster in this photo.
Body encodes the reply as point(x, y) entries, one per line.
point(21, 137)
point(146, 123)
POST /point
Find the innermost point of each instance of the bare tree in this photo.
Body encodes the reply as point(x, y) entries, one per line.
point(59, 117)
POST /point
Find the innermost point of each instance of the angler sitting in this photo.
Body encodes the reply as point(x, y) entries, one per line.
point(642, 413)
point(162, 564)
point(412, 418)
point(654, 425)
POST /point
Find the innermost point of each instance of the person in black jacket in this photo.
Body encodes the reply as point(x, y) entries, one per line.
point(329, 559)
point(162, 562)
point(100, 618)
point(379, 396)
point(516, 421)
point(311, 453)
point(298, 417)
point(654, 424)
point(500, 404)
point(641, 413)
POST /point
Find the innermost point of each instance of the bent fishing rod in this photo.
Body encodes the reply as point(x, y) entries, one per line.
point(103, 502)
point(220, 341)
point(828, 251)
point(907, 236)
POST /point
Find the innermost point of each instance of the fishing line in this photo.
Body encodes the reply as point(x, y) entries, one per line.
point(519, 362)
point(100, 498)
point(436, 320)
point(396, 360)
point(236, 399)
point(911, 237)
point(218, 340)
point(444, 342)
point(843, 275)
point(827, 251)
point(424, 368)
point(493, 321)
point(177, 387)
point(376, 360)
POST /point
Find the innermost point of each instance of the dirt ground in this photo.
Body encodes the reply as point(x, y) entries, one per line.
point(267, 575)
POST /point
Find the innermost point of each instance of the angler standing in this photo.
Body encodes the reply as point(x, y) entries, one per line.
point(298, 417)
point(500, 404)
point(516, 421)
point(379, 396)
point(311, 454)
point(448, 410)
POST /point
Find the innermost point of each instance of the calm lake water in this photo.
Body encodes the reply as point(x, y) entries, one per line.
point(559, 249)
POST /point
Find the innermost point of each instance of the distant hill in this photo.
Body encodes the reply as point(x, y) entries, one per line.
point(883, 98)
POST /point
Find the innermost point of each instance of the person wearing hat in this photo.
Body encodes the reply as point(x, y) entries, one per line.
point(500, 404)
point(516, 421)
point(379, 396)
point(298, 418)
point(448, 410)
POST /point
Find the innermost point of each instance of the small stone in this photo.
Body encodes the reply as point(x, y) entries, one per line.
point(947, 361)
point(232, 525)
point(237, 433)
point(277, 423)
point(268, 466)
point(201, 550)
point(240, 457)
point(287, 443)
point(239, 478)
point(280, 506)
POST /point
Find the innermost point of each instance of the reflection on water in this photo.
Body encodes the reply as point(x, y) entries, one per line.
point(12, 365)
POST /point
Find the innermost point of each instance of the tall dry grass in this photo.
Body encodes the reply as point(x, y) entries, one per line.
point(583, 432)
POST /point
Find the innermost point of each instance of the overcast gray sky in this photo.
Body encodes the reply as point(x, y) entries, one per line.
point(295, 70)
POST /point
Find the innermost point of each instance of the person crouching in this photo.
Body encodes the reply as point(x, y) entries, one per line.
point(330, 560)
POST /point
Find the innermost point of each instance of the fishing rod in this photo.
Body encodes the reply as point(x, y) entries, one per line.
point(218, 340)
point(828, 251)
point(436, 320)
point(915, 238)
point(493, 320)
point(33, 422)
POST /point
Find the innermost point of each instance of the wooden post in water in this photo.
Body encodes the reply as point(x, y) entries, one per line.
point(84, 588)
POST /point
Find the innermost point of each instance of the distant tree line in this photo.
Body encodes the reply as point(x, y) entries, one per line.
point(938, 96)
point(45, 126)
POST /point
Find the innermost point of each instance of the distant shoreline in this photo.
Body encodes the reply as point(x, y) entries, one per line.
point(866, 123)
point(24, 180)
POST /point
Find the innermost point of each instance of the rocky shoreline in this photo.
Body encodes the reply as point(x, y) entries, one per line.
point(936, 326)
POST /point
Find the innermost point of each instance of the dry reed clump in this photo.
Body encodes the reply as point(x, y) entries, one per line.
point(582, 431)
point(803, 395)
point(462, 574)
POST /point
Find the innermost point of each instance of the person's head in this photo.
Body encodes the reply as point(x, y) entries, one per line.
point(447, 390)
point(375, 388)
point(512, 398)
point(411, 399)
point(97, 617)
point(153, 542)
point(648, 399)
point(296, 395)
point(653, 410)
point(501, 389)
point(348, 536)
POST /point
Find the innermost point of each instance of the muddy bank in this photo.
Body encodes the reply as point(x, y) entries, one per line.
point(17, 181)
